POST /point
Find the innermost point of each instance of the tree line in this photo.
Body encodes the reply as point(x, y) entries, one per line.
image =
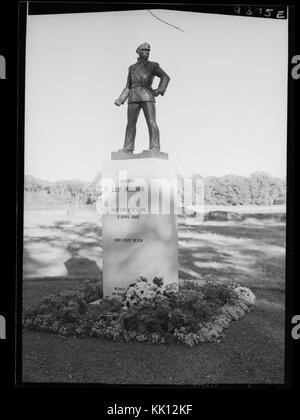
point(259, 188)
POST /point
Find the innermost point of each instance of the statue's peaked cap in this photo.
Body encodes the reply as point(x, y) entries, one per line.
point(144, 46)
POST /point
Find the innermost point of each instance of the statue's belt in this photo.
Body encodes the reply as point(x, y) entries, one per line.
point(140, 84)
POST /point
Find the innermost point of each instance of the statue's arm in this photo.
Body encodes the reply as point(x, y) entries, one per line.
point(164, 80)
point(125, 92)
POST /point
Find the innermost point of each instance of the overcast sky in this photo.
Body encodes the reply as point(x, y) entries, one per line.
point(225, 109)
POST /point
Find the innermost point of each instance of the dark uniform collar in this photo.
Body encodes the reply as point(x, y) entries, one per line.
point(141, 59)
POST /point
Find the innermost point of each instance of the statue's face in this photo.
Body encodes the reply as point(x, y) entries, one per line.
point(144, 53)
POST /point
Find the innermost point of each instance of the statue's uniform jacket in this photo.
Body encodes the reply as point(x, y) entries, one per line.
point(140, 95)
point(140, 77)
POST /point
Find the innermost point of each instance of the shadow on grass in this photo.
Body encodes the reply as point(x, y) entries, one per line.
point(63, 249)
point(252, 256)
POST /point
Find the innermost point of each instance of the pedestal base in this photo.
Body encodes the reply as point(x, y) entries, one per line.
point(151, 153)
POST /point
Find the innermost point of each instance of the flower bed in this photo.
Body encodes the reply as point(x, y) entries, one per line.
point(149, 311)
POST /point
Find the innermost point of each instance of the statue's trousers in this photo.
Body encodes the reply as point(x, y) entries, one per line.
point(132, 116)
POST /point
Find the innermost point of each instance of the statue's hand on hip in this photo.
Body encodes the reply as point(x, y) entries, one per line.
point(156, 92)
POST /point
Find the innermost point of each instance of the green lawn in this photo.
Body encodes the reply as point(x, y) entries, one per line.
point(251, 352)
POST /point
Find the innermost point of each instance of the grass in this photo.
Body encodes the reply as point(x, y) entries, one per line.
point(251, 352)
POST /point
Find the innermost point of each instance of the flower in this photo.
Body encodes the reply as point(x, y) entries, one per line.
point(245, 295)
point(143, 290)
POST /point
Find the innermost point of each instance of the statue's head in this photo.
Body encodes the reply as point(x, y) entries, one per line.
point(143, 50)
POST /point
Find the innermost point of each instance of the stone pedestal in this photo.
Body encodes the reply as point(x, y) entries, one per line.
point(139, 222)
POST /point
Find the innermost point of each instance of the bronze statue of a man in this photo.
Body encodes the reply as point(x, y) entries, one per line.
point(140, 94)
